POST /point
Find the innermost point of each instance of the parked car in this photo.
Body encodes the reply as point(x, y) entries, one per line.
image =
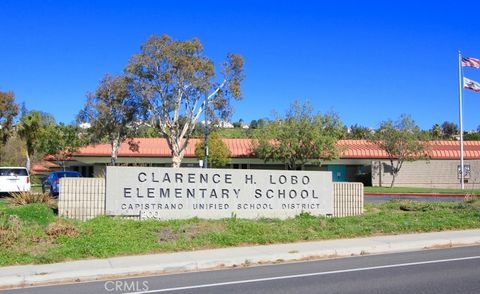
point(14, 179)
point(51, 184)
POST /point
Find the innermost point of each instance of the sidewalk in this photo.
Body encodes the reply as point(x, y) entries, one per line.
point(95, 269)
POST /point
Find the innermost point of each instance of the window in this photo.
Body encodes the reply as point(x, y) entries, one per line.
point(13, 172)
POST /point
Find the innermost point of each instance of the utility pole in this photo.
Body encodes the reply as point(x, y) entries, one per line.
point(205, 161)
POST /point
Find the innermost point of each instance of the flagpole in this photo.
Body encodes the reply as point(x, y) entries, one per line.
point(460, 92)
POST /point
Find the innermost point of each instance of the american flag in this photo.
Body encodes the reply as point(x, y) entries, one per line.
point(471, 62)
point(470, 84)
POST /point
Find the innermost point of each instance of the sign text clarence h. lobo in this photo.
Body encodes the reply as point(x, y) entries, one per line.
point(169, 193)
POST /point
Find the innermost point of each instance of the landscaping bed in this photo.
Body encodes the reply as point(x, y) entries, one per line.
point(32, 233)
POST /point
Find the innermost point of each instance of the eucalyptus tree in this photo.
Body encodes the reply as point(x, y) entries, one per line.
point(175, 78)
point(113, 112)
point(300, 137)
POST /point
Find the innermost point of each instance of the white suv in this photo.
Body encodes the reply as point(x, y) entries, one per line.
point(14, 179)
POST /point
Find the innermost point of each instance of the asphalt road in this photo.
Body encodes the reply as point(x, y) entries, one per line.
point(436, 271)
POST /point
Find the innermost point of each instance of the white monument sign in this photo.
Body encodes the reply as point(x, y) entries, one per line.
point(168, 193)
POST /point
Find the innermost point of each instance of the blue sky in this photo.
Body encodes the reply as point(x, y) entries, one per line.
point(368, 61)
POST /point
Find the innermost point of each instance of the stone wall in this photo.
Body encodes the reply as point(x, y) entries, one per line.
point(426, 173)
point(84, 198)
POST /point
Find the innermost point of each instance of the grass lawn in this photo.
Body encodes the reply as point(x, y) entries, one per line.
point(3, 203)
point(33, 234)
point(37, 188)
point(421, 190)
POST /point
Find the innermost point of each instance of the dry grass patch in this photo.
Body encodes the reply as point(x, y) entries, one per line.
point(10, 228)
point(471, 198)
point(167, 235)
point(60, 227)
point(189, 231)
point(23, 198)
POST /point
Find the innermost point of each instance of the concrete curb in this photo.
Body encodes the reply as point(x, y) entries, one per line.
point(116, 267)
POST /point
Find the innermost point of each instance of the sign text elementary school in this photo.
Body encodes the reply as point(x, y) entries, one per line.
point(181, 193)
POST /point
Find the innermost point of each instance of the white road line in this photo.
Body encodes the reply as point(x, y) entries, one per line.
point(307, 275)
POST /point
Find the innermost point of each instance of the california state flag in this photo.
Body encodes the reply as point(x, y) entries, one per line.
point(470, 84)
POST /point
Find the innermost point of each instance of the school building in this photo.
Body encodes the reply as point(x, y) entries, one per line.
point(359, 161)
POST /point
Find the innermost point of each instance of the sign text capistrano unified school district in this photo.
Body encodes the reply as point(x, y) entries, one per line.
point(181, 193)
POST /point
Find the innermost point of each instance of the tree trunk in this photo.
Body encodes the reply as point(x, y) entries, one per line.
point(380, 171)
point(396, 170)
point(177, 157)
point(115, 147)
point(61, 162)
point(178, 150)
point(176, 161)
point(28, 164)
point(394, 175)
point(292, 165)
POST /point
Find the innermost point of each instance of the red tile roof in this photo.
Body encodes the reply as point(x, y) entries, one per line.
point(38, 168)
point(44, 167)
point(360, 149)
point(158, 147)
point(435, 149)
